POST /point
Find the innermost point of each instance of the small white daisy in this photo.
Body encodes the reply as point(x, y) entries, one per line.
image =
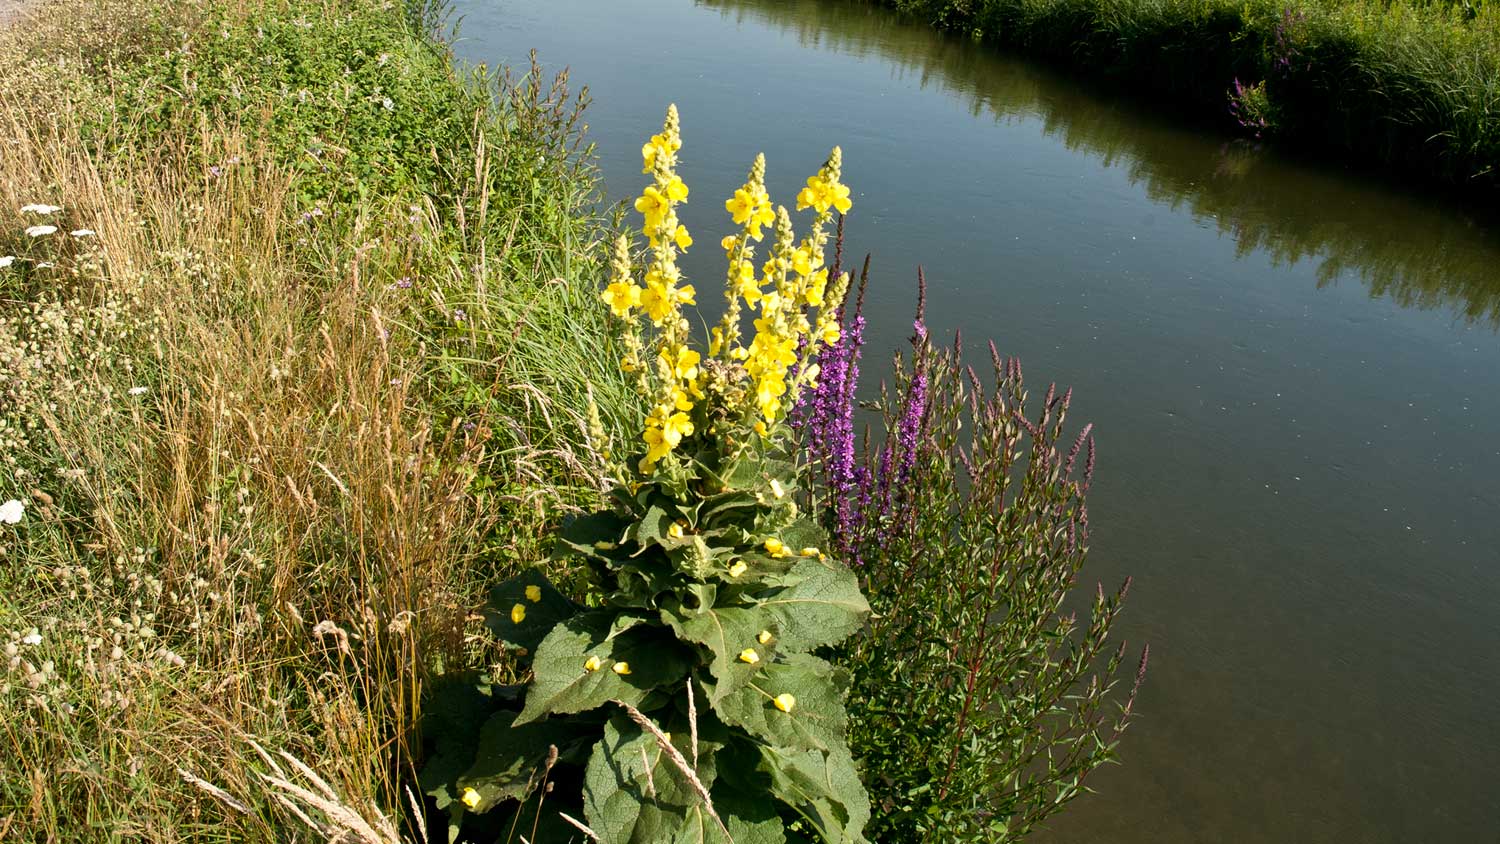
point(40, 231)
point(12, 511)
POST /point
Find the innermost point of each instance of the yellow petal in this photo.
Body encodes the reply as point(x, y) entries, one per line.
point(592, 664)
point(517, 614)
point(533, 593)
point(784, 702)
point(749, 655)
point(470, 798)
point(738, 568)
point(621, 668)
point(764, 638)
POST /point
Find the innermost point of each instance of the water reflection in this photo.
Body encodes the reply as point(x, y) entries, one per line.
point(1418, 252)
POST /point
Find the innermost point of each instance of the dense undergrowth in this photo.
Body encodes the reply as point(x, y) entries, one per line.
point(304, 379)
point(1409, 85)
point(301, 352)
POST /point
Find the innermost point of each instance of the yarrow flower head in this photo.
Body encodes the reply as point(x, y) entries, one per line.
point(12, 511)
point(40, 209)
point(40, 231)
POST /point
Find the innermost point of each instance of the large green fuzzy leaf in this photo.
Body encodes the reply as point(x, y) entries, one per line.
point(817, 720)
point(453, 708)
point(727, 632)
point(540, 615)
point(635, 794)
point(823, 787)
point(508, 757)
point(564, 684)
point(592, 533)
point(821, 606)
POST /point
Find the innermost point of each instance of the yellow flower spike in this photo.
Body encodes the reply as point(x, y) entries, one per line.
point(621, 668)
point(748, 655)
point(517, 614)
point(775, 547)
point(471, 798)
point(784, 702)
point(764, 638)
point(593, 664)
point(738, 568)
point(533, 593)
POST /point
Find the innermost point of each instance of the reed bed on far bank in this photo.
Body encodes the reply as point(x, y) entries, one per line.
point(1413, 86)
point(292, 358)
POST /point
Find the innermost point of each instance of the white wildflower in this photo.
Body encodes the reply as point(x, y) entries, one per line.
point(82, 232)
point(137, 391)
point(40, 231)
point(6, 260)
point(388, 104)
point(12, 511)
point(37, 208)
point(32, 638)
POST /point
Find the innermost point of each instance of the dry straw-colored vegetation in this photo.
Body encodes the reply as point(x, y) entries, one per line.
point(279, 397)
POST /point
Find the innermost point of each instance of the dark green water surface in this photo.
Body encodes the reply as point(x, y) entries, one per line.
point(1294, 375)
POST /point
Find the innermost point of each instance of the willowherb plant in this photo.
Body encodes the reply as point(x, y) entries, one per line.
point(980, 703)
point(682, 698)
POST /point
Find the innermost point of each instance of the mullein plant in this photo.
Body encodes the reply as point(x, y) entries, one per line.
point(980, 702)
point(682, 697)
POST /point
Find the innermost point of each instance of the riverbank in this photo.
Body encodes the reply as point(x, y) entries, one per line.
point(1402, 86)
point(291, 373)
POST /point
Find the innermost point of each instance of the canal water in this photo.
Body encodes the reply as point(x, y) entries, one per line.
point(1294, 376)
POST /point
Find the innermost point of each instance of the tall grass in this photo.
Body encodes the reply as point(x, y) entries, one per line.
point(1409, 85)
point(308, 387)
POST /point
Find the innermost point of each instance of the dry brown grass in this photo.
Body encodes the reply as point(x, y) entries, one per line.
point(246, 525)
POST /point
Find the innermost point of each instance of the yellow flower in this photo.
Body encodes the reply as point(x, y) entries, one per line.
point(729, 243)
point(653, 206)
point(592, 664)
point(517, 614)
point(677, 190)
point(811, 552)
point(674, 530)
point(775, 547)
point(738, 568)
point(764, 638)
point(471, 798)
point(622, 297)
point(533, 593)
point(684, 240)
point(621, 668)
point(784, 702)
point(749, 655)
point(760, 428)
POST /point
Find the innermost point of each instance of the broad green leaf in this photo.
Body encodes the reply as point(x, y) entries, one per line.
point(816, 721)
point(565, 683)
point(821, 606)
point(508, 757)
point(452, 710)
point(727, 632)
point(592, 533)
point(633, 792)
point(823, 787)
point(652, 527)
point(536, 617)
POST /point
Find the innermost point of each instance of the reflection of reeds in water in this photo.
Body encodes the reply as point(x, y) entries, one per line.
point(1418, 253)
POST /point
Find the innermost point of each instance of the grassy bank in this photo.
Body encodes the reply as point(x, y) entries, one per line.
point(1412, 86)
point(290, 369)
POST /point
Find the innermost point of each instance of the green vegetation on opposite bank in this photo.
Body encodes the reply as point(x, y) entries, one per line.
point(1408, 85)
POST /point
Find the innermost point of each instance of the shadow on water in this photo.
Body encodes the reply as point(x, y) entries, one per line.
point(1420, 252)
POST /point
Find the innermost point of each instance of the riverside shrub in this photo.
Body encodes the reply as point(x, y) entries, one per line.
point(682, 698)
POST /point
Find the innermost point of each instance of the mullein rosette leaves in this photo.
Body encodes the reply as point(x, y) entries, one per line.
point(685, 698)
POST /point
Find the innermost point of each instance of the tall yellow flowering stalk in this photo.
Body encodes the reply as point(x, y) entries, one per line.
point(789, 298)
point(709, 597)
